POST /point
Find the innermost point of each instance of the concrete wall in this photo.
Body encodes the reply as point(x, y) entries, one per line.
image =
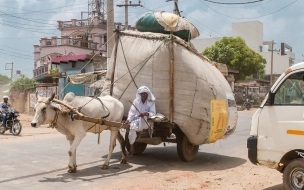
point(280, 63)
point(202, 44)
point(251, 32)
point(64, 50)
point(21, 102)
point(71, 71)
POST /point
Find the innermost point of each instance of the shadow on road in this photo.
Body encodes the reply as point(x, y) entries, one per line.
point(162, 159)
point(154, 159)
point(276, 187)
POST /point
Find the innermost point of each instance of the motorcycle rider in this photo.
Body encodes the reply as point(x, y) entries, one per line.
point(4, 108)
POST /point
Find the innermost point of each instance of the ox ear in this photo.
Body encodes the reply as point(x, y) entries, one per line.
point(56, 107)
point(52, 97)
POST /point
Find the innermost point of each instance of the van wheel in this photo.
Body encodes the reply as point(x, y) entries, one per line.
point(185, 149)
point(293, 175)
point(138, 147)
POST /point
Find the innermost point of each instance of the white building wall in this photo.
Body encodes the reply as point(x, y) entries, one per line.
point(202, 44)
point(251, 32)
point(280, 63)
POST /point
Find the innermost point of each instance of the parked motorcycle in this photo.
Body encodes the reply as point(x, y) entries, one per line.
point(247, 104)
point(12, 123)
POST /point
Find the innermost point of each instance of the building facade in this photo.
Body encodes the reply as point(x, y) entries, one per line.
point(252, 33)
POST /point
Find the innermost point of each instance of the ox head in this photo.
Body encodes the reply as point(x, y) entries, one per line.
point(43, 111)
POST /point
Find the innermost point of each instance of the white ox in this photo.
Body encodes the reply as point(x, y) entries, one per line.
point(76, 130)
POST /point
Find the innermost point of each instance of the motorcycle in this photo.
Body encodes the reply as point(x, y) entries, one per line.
point(247, 104)
point(12, 123)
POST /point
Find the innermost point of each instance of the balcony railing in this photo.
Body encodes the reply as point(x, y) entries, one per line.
point(42, 70)
point(85, 22)
point(69, 42)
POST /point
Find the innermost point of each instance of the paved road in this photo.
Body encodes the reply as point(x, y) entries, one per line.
point(38, 160)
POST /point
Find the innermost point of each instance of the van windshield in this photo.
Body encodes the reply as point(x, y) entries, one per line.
point(291, 90)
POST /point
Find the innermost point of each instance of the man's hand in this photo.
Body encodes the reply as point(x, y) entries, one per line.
point(127, 122)
point(142, 114)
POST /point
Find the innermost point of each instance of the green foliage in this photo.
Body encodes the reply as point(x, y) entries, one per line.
point(237, 56)
point(54, 73)
point(23, 84)
point(4, 79)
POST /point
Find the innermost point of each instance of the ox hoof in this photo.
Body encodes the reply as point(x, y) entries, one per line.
point(72, 170)
point(105, 167)
point(123, 161)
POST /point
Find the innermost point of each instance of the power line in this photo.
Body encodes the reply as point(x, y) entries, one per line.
point(237, 27)
point(43, 10)
point(27, 19)
point(241, 6)
point(234, 3)
point(27, 29)
point(15, 48)
point(17, 53)
point(251, 17)
point(39, 26)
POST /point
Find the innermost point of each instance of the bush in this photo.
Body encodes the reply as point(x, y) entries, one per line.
point(23, 84)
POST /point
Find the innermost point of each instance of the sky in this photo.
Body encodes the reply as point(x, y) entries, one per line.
point(24, 22)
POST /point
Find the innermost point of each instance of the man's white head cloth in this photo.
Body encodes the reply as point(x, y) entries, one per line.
point(145, 89)
point(5, 97)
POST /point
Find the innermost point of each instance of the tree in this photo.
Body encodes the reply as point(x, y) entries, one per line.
point(4, 80)
point(23, 84)
point(237, 56)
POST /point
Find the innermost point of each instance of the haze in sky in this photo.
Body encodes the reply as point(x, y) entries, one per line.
point(24, 22)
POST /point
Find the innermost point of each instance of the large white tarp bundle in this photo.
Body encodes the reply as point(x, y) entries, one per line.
point(145, 57)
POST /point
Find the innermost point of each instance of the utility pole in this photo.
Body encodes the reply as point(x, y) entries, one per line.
point(126, 5)
point(176, 10)
point(110, 27)
point(12, 69)
point(126, 16)
point(271, 67)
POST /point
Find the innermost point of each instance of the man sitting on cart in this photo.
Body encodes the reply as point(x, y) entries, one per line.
point(142, 108)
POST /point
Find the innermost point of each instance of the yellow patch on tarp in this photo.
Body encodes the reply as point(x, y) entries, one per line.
point(219, 119)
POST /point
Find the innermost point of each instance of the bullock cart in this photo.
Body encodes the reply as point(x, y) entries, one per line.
point(163, 131)
point(190, 90)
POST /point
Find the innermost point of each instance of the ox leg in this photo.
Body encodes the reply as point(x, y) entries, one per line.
point(123, 148)
point(72, 152)
point(72, 160)
point(111, 148)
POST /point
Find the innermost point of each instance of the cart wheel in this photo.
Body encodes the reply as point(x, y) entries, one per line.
point(138, 147)
point(185, 149)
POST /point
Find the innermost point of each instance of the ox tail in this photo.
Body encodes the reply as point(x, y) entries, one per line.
point(121, 140)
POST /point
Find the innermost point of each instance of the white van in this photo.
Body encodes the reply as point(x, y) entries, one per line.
point(277, 129)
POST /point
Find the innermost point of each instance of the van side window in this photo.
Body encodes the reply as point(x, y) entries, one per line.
point(291, 92)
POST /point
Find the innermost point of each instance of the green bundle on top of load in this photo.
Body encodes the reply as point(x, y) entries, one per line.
point(158, 22)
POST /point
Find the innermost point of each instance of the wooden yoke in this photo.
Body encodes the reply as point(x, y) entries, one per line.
point(68, 106)
point(80, 116)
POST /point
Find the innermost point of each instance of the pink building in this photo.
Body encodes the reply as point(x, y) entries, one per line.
point(87, 36)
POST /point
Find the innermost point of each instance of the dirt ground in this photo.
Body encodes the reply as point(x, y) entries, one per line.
point(222, 175)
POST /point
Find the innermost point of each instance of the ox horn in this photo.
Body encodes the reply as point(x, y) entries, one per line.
point(52, 97)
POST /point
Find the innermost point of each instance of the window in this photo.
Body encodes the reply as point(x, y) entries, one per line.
point(73, 64)
point(291, 91)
